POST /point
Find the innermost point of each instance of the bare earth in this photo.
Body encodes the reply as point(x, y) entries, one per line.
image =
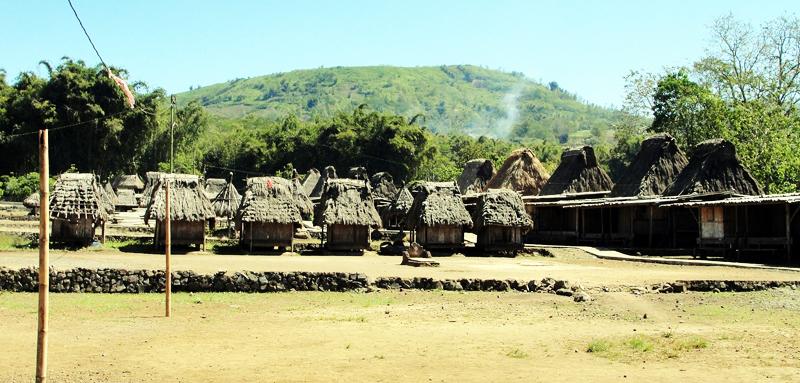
point(407, 336)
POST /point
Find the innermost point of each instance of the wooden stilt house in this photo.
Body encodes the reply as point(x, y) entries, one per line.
point(190, 210)
point(268, 215)
point(438, 216)
point(501, 221)
point(347, 213)
point(77, 207)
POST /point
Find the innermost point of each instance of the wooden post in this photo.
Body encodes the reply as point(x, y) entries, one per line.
point(44, 255)
point(168, 250)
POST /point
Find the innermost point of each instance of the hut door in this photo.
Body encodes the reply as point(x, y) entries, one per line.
point(712, 222)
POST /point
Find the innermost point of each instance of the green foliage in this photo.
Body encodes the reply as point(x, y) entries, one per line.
point(18, 188)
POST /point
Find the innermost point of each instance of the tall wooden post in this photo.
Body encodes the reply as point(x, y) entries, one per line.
point(168, 244)
point(44, 255)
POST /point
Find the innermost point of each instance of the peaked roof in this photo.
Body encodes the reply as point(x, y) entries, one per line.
point(188, 201)
point(358, 173)
point(110, 192)
point(501, 207)
point(437, 203)
point(269, 200)
point(128, 181)
point(31, 201)
point(78, 196)
point(654, 168)
point(214, 186)
point(347, 202)
point(475, 176)
point(714, 168)
point(383, 186)
point(227, 201)
point(402, 202)
point(311, 180)
point(521, 172)
point(578, 172)
point(151, 179)
point(319, 188)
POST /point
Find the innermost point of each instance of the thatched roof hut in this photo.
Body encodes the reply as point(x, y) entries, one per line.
point(151, 178)
point(578, 172)
point(311, 180)
point(78, 196)
point(269, 200)
point(501, 207)
point(475, 176)
point(32, 202)
point(128, 181)
point(188, 201)
point(358, 173)
point(655, 167)
point(435, 204)
point(347, 202)
point(521, 172)
point(226, 202)
point(714, 168)
point(329, 173)
point(383, 186)
point(213, 186)
point(110, 192)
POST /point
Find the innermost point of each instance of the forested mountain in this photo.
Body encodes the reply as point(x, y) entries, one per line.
point(453, 99)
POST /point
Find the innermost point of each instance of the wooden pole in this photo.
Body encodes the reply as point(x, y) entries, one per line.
point(168, 250)
point(44, 255)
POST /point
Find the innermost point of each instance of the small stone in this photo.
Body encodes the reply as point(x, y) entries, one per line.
point(564, 292)
point(581, 296)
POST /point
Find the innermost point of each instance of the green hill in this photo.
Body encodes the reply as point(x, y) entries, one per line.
point(463, 99)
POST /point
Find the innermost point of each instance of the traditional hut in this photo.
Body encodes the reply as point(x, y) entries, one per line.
point(578, 172)
point(32, 202)
point(655, 167)
point(226, 202)
point(438, 215)
point(395, 216)
point(268, 215)
point(475, 176)
point(129, 181)
point(521, 172)
point(347, 213)
point(190, 209)
point(501, 221)
point(77, 208)
point(310, 181)
point(213, 186)
point(147, 195)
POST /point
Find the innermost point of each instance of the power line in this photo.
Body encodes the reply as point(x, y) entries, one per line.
point(76, 124)
point(87, 34)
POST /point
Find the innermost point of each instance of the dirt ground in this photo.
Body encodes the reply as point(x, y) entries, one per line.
point(407, 336)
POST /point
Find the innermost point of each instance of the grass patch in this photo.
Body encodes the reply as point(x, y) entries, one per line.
point(597, 346)
point(640, 343)
point(350, 318)
point(692, 343)
point(15, 242)
point(517, 354)
point(667, 345)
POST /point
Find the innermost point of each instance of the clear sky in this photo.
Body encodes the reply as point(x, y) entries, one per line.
point(586, 46)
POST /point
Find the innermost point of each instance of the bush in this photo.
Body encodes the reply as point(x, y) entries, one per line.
point(18, 188)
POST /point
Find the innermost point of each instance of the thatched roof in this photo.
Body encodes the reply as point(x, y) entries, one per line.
point(347, 202)
point(110, 192)
point(31, 201)
point(304, 203)
point(437, 203)
point(328, 173)
point(269, 200)
point(521, 172)
point(311, 180)
point(126, 198)
point(227, 201)
point(655, 167)
point(383, 186)
point(213, 186)
point(188, 201)
point(151, 179)
point(578, 172)
point(713, 168)
point(501, 207)
point(358, 173)
point(77, 196)
point(402, 202)
point(128, 181)
point(475, 176)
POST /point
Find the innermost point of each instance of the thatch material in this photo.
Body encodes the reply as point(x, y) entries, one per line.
point(402, 203)
point(383, 186)
point(128, 181)
point(110, 192)
point(347, 202)
point(501, 207)
point(151, 180)
point(655, 167)
point(311, 180)
point(79, 196)
point(714, 168)
point(213, 186)
point(475, 176)
point(578, 172)
point(437, 203)
point(304, 203)
point(358, 173)
point(269, 200)
point(226, 202)
point(126, 198)
point(31, 201)
point(188, 201)
point(521, 172)
point(329, 173)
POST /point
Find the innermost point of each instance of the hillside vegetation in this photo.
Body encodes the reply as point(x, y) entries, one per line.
point(453, 99)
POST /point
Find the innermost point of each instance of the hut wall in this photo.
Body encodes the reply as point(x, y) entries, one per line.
point(266, 234)
point(554, 225)
point(347, 237)
point(712, 222)
point(81, 230)
point(183, 232)
point(500, 238)
point(684, 227)
point(442, 236)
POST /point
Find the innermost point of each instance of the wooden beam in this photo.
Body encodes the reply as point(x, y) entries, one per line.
point(44, 258)
point(168, 251)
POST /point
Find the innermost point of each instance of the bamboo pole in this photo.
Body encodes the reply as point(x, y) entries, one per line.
point(168, 251)
point(44, 261)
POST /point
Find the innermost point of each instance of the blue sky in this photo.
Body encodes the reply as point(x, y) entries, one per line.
point(587, 47)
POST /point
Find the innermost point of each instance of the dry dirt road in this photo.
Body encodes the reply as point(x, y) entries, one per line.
point(393, 336)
